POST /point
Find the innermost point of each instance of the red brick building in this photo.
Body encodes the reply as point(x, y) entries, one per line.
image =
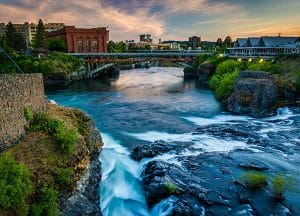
point(82, 40)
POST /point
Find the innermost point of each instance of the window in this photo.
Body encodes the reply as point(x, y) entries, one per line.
point(80, 44)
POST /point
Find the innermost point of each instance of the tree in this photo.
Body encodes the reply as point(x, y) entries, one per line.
point(228, 41)
point(57, 44)
point(40, 39)
point(20, 42)
point(219, 42)
point(10, 34)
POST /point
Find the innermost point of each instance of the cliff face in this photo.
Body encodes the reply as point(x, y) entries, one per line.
point(39, 152)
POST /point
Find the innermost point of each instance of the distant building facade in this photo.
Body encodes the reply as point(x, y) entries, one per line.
point(83, 40)
point(28, 30)
point(146, 38)
point(265, 46)
point(195, 42)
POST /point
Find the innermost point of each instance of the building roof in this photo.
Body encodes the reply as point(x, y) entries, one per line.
point(241, 42)
point(253, 41)
point(276, 41)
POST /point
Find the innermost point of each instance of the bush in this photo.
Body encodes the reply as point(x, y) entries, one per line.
point(65, 138)
point(282, 184)
point(226, 85)
point(254, 180)
point(15, 185)
point(48, 204)
point(64, 175)
point(27, 113)
point(170, 187)
point(227, 66)
point(264, 66)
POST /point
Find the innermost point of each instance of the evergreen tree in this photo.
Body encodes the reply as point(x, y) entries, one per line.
point(20, 42)
point(228, 41)
point(40, 39)
point(10, 35)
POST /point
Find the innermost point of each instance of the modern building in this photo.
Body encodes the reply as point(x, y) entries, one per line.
point(265, 46)
point(146, 38)
point(195, 42)
point(83, 40)
point(49, 27)
point(28, 30)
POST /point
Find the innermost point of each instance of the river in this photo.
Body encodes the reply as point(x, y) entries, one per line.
point(145, 105)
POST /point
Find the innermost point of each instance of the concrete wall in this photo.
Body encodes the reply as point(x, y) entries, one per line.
point(17, 91)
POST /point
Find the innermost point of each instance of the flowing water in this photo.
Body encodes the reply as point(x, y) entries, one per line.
point(145, 105)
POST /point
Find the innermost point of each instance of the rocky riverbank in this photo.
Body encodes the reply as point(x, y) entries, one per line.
point(204, 176)
point(75, 176)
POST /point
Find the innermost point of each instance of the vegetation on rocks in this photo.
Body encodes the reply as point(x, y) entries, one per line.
point(37, 175)
point(15, 185)
point(254, 180)
point(170, 187)
point(281, 184)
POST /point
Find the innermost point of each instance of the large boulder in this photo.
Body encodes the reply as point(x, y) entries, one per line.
point(205, 71)
point(255, 94)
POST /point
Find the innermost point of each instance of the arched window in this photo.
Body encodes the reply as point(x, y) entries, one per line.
point(95, 44)
point(88, 44)
point(80, 44)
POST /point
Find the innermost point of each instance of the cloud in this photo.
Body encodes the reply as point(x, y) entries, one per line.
point(88, 13)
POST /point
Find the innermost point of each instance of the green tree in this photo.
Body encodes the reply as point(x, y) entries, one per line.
point(111, 46)
point(228, 41)
point(15, 185)
point(20, 42)
point(10, 34)
point(40, 39)
point(57, 44)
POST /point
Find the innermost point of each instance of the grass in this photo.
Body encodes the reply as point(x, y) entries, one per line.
point(171, 187)
point(281, 184)
point(254, 180)
point(27, 113)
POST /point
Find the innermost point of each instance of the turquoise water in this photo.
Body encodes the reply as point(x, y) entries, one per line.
point(145, 105)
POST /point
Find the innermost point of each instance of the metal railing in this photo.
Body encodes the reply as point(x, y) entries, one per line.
point(11, 60)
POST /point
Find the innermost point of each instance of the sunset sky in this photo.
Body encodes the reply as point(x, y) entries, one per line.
point(166, 19)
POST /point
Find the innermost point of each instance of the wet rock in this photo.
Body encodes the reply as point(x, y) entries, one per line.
point(255, 94)
point(56, 81)
point(156, 148)
point(190, 73)
point(205, 71)
point(254, 165)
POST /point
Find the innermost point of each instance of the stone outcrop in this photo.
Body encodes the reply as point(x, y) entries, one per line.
point(255, 94)
point(205, 71)
point(189, 73)
point(16, 92)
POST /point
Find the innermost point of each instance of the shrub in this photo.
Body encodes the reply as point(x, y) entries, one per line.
point(227, 66)
point(282, 184)
point(48, 203)
point(226, 85)
point(170, 187)
point(254, 180)
point(264, 66)
point(15, 185)
point(64, 175)
point(27, 113)
point(65, 138)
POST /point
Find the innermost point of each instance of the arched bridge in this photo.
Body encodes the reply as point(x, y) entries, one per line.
point(141, 56)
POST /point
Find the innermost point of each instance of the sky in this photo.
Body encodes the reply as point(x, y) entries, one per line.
point(165, 19)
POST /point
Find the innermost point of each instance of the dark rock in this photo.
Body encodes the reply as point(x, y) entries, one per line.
point(190, 73)
point(149, 151)
point(205, 71)
point(254, 165)
point(56, 81)
point(255, 94)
